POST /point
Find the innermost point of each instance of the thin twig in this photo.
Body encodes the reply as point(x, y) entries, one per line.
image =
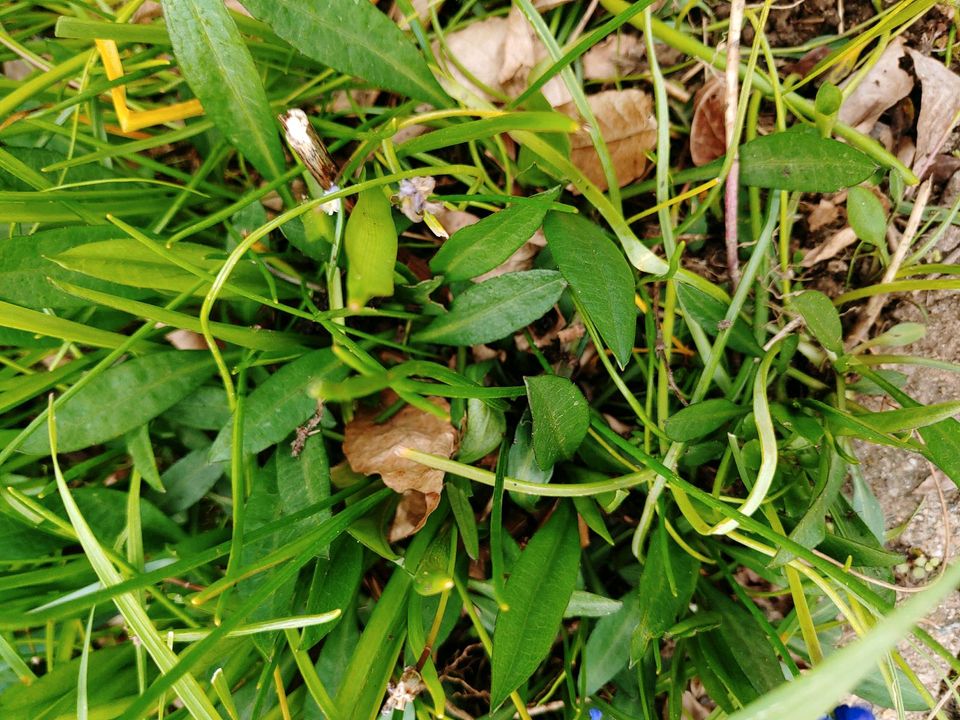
point(731, 195)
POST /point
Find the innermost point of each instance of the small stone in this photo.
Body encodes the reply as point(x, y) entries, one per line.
point(918, 573)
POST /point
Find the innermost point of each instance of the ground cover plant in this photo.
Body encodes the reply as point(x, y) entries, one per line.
point(476, 359)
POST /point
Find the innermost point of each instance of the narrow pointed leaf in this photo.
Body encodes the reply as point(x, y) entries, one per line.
point(220, 70)
point(477, 248)
point(599, 277)
point(355, 38)
point(525, 632)
point(495, 308)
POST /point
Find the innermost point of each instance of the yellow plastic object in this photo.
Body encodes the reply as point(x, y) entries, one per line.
point(135, 120)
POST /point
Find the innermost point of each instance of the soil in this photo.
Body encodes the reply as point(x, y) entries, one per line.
point(906, 485)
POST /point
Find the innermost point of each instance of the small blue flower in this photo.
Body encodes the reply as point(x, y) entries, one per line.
point(846, 712)
point(595, 714)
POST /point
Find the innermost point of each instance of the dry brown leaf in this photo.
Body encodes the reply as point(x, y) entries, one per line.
point(615, 56)
point(708, 137)
point(479, 49)
point(186, 340)
point(939, 105)
point(882, 87)
point(828, 250)
point(372, 449)
point(453, 220)
point(824, 213)
point(500, 53)
point(629, 128)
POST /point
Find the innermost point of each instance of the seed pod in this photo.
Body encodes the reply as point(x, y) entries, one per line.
point(370, 240)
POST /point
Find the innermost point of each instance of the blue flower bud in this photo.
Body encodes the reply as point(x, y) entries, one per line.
point(846, 712)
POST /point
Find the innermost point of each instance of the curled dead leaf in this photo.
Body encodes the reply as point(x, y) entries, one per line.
point(829, 249)
point(372, 449)
point(628, 126)
point(708, 138)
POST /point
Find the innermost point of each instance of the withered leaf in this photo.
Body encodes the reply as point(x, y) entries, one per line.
point(708, 137)
point(615, 56)
point(372, 449)
point(939, 105)
point(882, 87)
point(628, 126)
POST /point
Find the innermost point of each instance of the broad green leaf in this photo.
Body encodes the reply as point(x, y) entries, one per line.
point(128, 262)
point(123, 398)
point(204, 409)
point(522, 462)
point(801, 159)
point(304, 479)
point(811, 529)
point(275, 408)
point(370, 242)
point(187, 481)
point(866, 216)
point(821, 318)
point(334, 583)
point(526, 630)
point(495, 308)
point(218, 66)
point(608, 647)
point(738, 652)
point(458, 492)
point(666, 586)
point(354, 38)
point(700, 419)
point(26, 268)
point(599, 276)
point(19, 542)
point(540, 122)
point(591, 605)
point(817, 691)
point(560, 418)
point(477, 248)
point(484, 430)
point(709, 313)
point(26, 387)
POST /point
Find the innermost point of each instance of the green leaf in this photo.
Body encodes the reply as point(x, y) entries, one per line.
point(700, 419)
point(128, 262)
point(801, 159)
point(275, 408)
point(123, 398)
point(220, 70)
point(141, 452)
point(536, 595)
point(866, 216)
point(187, 481)
point(821, 318)
point(495, 308)
point(666, 586)
point(817, 691)
point(910, 418)
point(354, 38)
point(599, 276)
point(335, 580)
point(26, 268)
point(540, 122)
point(370, 242)
point(485, 428)
point(39, 323)
point(477, 248)
point(709, 312)
point(560, 418)
point(608, 647)
point(522, 462)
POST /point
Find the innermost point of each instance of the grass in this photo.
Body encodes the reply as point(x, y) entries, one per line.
point(353, 480)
